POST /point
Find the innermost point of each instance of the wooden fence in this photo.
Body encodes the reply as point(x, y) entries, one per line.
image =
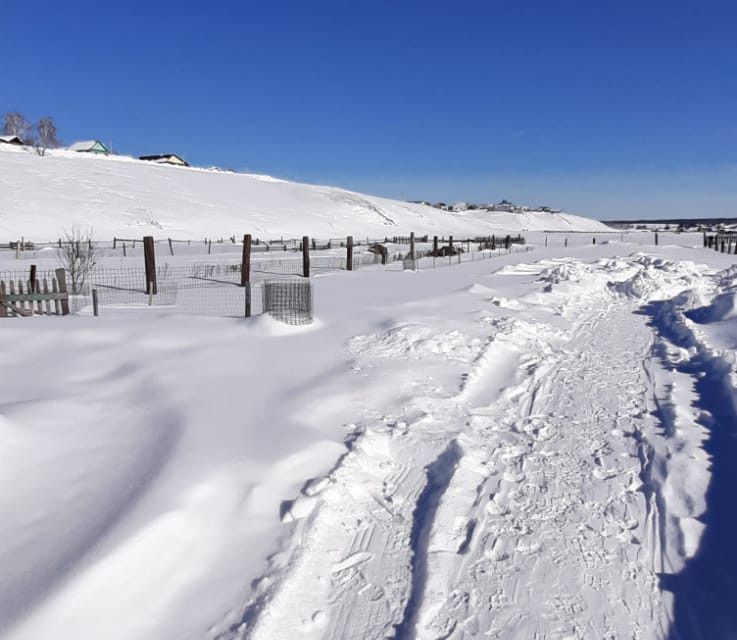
point(32, 297)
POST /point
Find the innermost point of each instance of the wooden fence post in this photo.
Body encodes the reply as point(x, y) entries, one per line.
point(305, 256)
point(94, 303)
point(61, 278)
point(247, 310)
point(412, 245)
point(32, 281)
point(450, 243)
point(171, 248)
point(656, 238)
point(246, 261)
point(349, 253)
point(435, 245)
point(246, 274)
point(149, 260)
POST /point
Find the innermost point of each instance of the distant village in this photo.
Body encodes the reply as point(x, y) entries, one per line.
point(504, 205)
point(17, 130)
point(99, 147)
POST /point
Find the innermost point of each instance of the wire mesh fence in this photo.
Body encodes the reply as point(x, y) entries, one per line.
point(288, 300)
point(214, 288)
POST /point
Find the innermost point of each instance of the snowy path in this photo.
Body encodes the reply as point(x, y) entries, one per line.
point(522, 505)
point(561, 542)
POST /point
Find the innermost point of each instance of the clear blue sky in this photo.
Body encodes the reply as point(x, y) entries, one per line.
point(618, 109)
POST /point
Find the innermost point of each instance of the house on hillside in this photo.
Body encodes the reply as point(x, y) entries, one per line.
point(166, 158)
point(11, 140)
point(504, 205)
point(89, 146)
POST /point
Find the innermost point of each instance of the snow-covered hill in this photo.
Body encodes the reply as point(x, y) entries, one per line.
point(124, 197)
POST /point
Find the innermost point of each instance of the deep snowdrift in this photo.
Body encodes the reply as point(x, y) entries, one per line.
point(123, 197)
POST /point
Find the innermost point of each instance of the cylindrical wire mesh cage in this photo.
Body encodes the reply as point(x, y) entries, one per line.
point(289, 301)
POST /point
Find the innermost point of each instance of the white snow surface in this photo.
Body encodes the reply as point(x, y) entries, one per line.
point(119, 196)
point(515, 448)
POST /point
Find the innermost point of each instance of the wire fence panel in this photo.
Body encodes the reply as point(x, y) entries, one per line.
point(288, 300)
point(276, 285)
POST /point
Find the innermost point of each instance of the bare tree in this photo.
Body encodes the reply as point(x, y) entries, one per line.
point(15, 124)
point(46, 138)
point(78, 255)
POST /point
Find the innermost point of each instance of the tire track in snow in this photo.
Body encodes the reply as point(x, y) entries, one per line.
point(537, 527)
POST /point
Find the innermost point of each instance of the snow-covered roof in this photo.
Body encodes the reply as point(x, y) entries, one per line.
point(167, 158)
point(86, 145)
point(11, 139)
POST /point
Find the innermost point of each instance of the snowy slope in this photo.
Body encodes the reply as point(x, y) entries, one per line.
point(123, 197)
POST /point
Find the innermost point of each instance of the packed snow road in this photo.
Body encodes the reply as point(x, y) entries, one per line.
point(530, 501)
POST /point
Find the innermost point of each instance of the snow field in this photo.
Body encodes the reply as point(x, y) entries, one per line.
point(502, 449)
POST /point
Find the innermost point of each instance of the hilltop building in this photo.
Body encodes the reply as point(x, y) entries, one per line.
point(89, 146)
point(166, 158)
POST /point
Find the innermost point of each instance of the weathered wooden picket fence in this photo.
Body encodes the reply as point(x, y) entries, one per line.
point(32, 297)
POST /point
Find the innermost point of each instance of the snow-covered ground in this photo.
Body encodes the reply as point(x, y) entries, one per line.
point(538, 445)
point(118, 196)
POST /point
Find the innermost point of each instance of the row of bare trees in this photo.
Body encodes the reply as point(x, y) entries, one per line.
point(41, 135)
